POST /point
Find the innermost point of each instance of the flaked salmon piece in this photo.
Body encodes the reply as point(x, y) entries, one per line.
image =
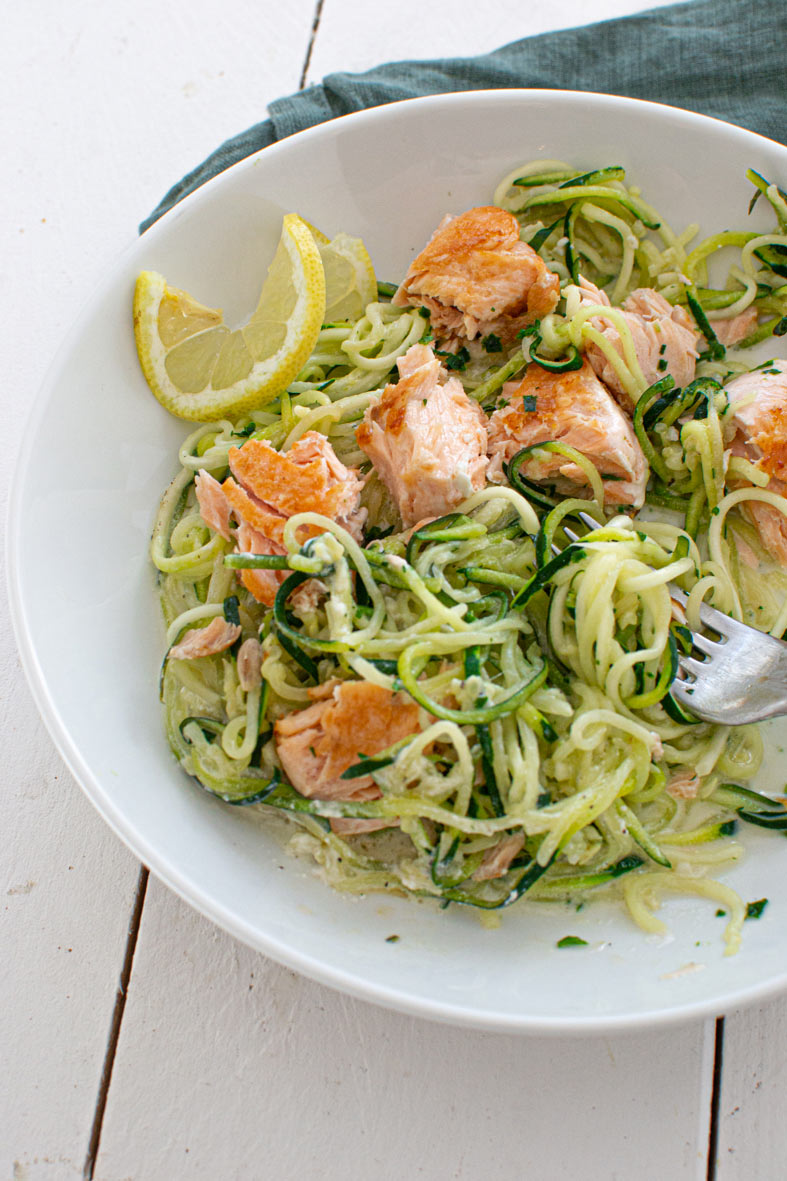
point(684, 784)
point(476, 278)
point(206, 641)
point(214, 507)
point(730, 332)
point(262, 584)
point(250, 664)
point(309, 477)
point(497, 860)
point(250, 510)
point(426, 439)
point(573, 408)
point(663, 336)
point(317, 744)
point(267, 487)
point(758, 409)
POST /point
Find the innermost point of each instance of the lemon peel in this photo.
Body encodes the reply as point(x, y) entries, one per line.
point(200, 369)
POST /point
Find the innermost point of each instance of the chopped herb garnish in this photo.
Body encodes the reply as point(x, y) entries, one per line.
point(572, 941)
point(720, 914)
point(230, 606)
point(392, 939)
point(543, 799)
point(492, 343)
point(246, 430)
point(755, 909)
point(662, 365)
point(781, 328)
point(454, 360)
point(529, 329)
point(529, 403)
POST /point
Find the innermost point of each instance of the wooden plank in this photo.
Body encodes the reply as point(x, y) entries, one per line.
point(411, 29)
point(230, 1066)
point(108, 111)
point(67, 887)
point(752, 1140)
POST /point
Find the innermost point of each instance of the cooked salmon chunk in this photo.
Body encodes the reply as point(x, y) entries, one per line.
point(735, 329)
point(477, 278)
point(267, 487)
point(665, 339)
point(573, 408)
point(317, 744)
point(206, 641)
point(497, 860)
point(758, 408)
point(426, 439)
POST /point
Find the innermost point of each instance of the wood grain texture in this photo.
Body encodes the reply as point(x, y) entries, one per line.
point(256, 1072)
point(106, 106)
point(752, 1128)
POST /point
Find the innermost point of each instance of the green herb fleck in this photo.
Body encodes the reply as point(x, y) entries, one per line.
point(720, 914)
point(392, 939)
point(247, 430)
point(572, 941)
point(755, 909)
point(230, 606)
point(454, 360)
point(492, 343)
point(662, 365)
point(543, 799)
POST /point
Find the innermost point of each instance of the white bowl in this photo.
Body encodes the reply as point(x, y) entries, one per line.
point(99, 452)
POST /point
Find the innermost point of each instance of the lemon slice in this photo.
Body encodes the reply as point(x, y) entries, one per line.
point(200, 369)
point(350, 281)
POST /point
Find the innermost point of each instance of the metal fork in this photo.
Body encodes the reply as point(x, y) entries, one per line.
point(737, 677)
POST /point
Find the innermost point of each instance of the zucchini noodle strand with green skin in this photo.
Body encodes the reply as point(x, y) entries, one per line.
point(549, 759)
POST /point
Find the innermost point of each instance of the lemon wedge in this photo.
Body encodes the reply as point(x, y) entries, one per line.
point(200, 369)
point(350, 281)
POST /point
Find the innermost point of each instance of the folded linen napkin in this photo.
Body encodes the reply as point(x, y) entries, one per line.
point(717, 57)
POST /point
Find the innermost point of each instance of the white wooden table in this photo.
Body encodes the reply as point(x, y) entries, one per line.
point(137, 1041)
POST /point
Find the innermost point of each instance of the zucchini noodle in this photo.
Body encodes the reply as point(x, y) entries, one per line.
point(550, 758)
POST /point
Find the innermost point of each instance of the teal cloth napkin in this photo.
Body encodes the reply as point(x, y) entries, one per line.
point(718, 57)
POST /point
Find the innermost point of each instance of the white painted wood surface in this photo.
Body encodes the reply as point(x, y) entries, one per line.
point(228, 1066)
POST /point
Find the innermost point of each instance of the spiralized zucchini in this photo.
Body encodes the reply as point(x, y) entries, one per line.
point(543, 678)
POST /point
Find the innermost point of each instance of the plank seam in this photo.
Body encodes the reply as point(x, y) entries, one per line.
point(715, 1102)
point(310, 47)
point(115, 1024)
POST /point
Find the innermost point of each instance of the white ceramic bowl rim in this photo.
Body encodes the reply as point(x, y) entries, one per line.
point(160, 859)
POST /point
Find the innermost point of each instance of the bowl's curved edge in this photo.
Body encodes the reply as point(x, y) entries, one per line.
point(185, 886)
